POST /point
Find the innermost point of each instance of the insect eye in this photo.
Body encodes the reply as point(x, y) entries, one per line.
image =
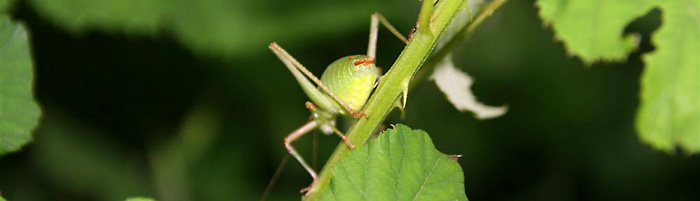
point(365, 61)
point(358, 62)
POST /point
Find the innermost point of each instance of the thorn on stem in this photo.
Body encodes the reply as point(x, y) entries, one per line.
point(455, 157)
point(358, 114)
point(411, 33)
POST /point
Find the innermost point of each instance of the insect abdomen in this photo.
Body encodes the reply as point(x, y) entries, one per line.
point(352, 79)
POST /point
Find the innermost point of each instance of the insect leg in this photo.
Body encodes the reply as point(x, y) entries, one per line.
point(342, 136)
point(296, 134)
point(374, 29)
point(329, 125)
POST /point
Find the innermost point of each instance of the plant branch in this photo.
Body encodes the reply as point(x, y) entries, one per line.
point(431, 24)
point(456, 40)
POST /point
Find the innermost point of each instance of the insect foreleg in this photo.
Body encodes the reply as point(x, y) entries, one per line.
point(310, 89)
point(372, 47)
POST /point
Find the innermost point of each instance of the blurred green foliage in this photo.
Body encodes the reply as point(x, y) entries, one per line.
point(218, 27)
point(139, 199)
point(19, 113)
point(160, 109)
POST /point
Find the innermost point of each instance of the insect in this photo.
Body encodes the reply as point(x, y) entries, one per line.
point(343, 89)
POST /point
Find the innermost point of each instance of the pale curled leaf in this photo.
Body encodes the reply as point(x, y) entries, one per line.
point(463, 18)
point(401, 164)
point(456, 85)
point(460, 21)
point(19, 113)
point(475, 5)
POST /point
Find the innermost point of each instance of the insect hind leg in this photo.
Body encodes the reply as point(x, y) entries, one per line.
point(374, 31)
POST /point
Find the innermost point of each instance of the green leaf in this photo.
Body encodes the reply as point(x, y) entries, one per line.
point(669, 113)
point(401, 164)
point(593, 29)
point(19, 113)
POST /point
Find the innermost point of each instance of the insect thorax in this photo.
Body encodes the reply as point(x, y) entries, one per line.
point(326, 120)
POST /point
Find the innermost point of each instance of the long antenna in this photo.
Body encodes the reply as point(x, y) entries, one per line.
point(273, 180)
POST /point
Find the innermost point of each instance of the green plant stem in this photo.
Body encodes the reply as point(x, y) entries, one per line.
point(432, 23)
point(457, 39)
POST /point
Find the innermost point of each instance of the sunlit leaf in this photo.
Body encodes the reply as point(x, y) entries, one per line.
point(401, 164)
point(19, 113)
point(593, 29)
point(669, 113)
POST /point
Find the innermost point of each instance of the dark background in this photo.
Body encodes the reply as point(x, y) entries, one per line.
point(144, 115)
